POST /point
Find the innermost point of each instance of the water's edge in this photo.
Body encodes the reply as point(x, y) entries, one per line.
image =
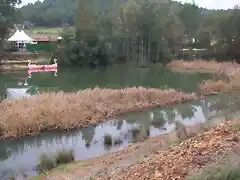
point(88, 142)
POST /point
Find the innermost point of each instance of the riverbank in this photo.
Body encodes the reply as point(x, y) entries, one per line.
point(65, 111)
point(231, 70)
point(157, 158)
point(179, 161)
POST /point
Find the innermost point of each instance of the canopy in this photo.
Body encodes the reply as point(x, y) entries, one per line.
point(20, 35)
point(17, 93)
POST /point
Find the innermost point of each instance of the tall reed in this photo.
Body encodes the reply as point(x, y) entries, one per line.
point(64, 111)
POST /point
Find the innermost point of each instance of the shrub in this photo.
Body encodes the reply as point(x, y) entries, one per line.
point(108, 141)
point(140, 134)
point(117, 141)
point(93, 53)
point(64, 156)
point(46, 163)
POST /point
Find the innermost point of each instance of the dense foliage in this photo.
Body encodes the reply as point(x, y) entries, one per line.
point(141, 31)
point(7, 18)
point(92, 53)
point(55, 13)
point(50, 13)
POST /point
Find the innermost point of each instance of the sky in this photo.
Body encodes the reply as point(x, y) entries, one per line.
point(211, 4)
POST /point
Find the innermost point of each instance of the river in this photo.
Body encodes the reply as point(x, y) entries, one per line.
point(70, 80)
point(22, 156)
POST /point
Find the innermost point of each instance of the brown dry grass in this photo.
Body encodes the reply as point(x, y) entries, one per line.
point(203, 65)
point(64, 111)
point(209, 87)
point(194, 65)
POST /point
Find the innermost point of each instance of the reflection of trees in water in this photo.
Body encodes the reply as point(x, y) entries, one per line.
point(225, 105)
point(47, 140)
point(118, 124)
point(14, 147)
point(88, 134)
point(213, 106)
point(186, 111)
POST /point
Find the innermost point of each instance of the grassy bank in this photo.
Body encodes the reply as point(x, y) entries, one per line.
point(64, 111)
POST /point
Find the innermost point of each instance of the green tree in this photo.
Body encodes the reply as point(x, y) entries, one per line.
point(7, 18)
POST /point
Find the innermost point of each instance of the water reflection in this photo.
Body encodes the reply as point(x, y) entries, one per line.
point(88, 142)
point(30, 71)
point(19, 93)
point(72, 80)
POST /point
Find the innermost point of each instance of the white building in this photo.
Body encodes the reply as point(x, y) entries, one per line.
point(20, 39)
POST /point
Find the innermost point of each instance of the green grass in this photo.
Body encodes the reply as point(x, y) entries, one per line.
point(50, 161)
point(44, 30)
point(61, 168)
point(218, 172)
point(236, 126)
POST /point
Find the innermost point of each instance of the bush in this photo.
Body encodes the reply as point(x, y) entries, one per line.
point(117, 141)
point(108, 140)
point(140, 134)
point(46, 163)
point(93, 53)
point(64, 156)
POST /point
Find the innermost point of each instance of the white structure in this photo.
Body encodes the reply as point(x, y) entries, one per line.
point(59, 38)
point(20, 39)
point(17, 93)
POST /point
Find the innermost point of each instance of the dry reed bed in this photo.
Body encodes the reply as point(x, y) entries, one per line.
point(209, 87)
point(214, 66)
point(63, 111)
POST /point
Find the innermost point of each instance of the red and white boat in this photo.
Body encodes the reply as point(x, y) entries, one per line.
point(50, 66)
point(30, 71)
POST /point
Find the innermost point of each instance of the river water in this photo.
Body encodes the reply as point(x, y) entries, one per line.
point(22, 156)
point(18, 83)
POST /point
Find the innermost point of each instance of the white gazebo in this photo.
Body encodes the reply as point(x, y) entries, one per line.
point(20, 39)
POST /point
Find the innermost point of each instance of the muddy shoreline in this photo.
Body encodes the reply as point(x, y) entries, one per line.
point(157, 158)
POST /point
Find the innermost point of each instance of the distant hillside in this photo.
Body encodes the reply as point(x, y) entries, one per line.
point(56, 13)
point(50, 13)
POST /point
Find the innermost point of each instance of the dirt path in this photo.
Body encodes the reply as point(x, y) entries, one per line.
point(153, 159)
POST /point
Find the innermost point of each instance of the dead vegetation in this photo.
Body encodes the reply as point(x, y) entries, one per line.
point(64, 111)
point(209, 87)
point(205, 66)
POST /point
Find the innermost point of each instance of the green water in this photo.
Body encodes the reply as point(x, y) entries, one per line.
point(73, 80)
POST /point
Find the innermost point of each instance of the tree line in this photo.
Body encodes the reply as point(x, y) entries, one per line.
point(137, 31)
point(152, 31)
point(8, 15)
